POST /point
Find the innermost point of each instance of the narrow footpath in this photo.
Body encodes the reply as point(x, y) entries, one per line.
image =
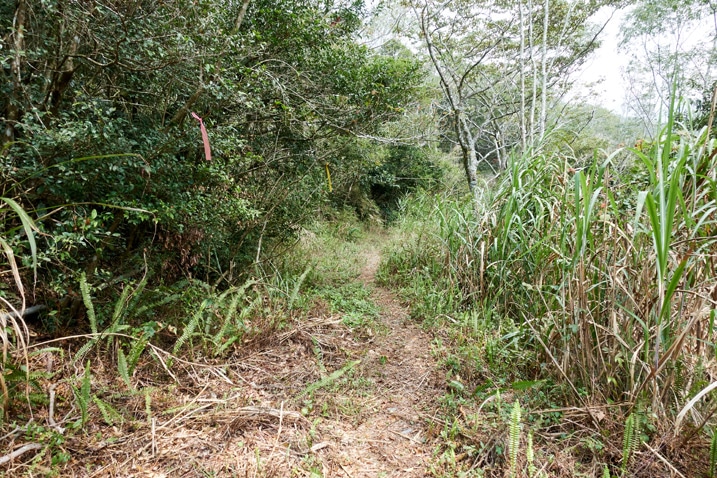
point(393, 436)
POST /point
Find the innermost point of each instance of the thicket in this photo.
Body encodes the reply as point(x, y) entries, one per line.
point(101, 149)
point(591, 285)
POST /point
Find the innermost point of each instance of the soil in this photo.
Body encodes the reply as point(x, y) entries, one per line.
point(316, 398)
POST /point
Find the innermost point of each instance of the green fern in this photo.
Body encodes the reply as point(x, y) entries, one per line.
point(123, 369)
point(165, 300)
point(606, 472)
point(120, 307)
point(80, 354)
point(630, 439)
point(223, 347)
point(330, 379)
point(230, 311)
point(190, 327)
point(87, 299)
point(83, 394)
point(297, 287)
point(713, 455)
point(135, 352)
point(109, 414)
point(530, 455)
point(136, 295)
point(515, 417)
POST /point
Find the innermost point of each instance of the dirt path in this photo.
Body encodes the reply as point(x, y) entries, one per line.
point(314, 398)
point(393, 437)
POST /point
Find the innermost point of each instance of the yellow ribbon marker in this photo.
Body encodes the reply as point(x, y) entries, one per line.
point(328, 177)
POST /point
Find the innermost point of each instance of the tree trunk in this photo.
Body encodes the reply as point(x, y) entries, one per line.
point(523, 129)
point(18, 39)
point(534, 67)
point(468, 151)
point(240, 17)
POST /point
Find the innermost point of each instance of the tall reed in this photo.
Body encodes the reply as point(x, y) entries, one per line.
point(608, 269)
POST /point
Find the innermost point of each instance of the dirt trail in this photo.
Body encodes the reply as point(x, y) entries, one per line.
point(315, 398)
point(393, 438)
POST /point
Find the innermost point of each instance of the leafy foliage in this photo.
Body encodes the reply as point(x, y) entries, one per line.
point(99, 137)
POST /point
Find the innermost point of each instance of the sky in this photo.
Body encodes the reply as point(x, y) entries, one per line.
point(601, 80)
point(601, 76)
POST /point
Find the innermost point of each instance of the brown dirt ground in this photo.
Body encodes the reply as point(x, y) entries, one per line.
point(255, 417)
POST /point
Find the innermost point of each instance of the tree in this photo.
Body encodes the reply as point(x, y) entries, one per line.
point(496, 73)
point(673, 49)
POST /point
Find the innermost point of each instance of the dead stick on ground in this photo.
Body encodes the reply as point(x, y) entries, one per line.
point(345, 471)
point(20, 451)
point(154, 437)
point(664, 460)
point(281, 422)
point(406, 437)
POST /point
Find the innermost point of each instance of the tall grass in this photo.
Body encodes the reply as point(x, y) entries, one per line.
point(609, 270)
point(13, 330)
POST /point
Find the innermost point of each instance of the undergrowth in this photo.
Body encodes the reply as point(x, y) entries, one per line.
point(143, 341)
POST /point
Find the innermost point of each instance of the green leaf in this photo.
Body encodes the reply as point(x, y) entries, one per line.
point(28, 225)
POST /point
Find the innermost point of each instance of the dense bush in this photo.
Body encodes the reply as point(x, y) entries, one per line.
point(99, 140)
point(606, 274)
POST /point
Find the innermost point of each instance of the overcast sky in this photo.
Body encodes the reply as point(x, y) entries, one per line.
point(602, 73)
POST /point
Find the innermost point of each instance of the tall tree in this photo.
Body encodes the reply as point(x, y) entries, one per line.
point(672, 44)
point(498, 74)
point(282, 89)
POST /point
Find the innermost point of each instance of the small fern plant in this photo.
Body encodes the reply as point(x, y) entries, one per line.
point(83, 396)
point(630, 440)
point(530, 455)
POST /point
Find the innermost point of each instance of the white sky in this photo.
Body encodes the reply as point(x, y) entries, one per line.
point(601, 76)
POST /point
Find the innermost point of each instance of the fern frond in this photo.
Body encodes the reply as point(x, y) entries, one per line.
point(87, 299)
point(530, 455)
point(219, 351)
point(80, 354)
point(297, 287)
point(330, 379)
point(83, 394)
point(135, 352)
point(628, 441)
point(154, 305)
point(190, 327)
point(109, 413)
point(227, 321)
point(136, 295)
point(120, 308)
point(123, 369)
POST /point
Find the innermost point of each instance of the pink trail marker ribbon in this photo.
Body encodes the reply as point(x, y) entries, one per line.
point(205, 137)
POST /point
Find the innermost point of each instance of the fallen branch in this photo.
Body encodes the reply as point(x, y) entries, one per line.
point(20, 451)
